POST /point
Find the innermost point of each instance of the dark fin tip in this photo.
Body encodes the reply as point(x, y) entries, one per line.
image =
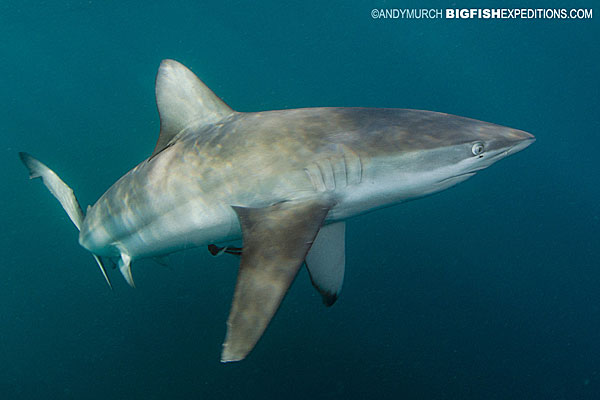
point(329, 298)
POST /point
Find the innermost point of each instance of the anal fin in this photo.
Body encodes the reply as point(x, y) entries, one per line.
point(276, 240)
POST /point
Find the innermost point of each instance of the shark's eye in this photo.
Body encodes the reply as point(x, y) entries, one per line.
point(477, 149)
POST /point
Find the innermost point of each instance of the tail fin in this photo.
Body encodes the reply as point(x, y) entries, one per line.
point(56, 186)
point(63, 193)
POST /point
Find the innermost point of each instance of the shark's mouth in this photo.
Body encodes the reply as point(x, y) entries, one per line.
point(458, 178)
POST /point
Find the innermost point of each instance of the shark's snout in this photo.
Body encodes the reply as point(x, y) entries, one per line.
point(506, 141)
point(520, 135)
point(521, 140)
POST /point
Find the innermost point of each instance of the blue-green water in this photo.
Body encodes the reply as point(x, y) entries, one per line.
point(488, 290)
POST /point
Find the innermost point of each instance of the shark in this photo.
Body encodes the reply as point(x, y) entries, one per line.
point(284, 182)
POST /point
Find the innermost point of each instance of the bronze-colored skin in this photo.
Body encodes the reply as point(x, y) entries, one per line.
point(280, 180)
point(258, 159)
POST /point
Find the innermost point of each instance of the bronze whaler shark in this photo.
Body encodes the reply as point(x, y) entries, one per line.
point(282, 181)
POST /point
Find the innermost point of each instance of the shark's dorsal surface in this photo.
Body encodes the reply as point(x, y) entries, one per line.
point(283, 181)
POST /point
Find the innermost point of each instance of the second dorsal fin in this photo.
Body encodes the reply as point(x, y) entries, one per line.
point(181, 99)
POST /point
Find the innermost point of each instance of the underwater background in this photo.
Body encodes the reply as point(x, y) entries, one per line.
point(488, 290)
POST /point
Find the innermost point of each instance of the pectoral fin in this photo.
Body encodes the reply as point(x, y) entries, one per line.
point(276, 240)
point(326, 261)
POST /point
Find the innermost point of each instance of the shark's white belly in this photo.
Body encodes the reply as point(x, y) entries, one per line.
point(184, 227)
point(386, 182)
point(188, 225)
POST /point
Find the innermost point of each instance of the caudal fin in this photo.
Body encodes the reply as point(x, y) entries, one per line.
point(62, 192)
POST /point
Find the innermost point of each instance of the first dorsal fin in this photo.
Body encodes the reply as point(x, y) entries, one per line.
point(182, 99)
